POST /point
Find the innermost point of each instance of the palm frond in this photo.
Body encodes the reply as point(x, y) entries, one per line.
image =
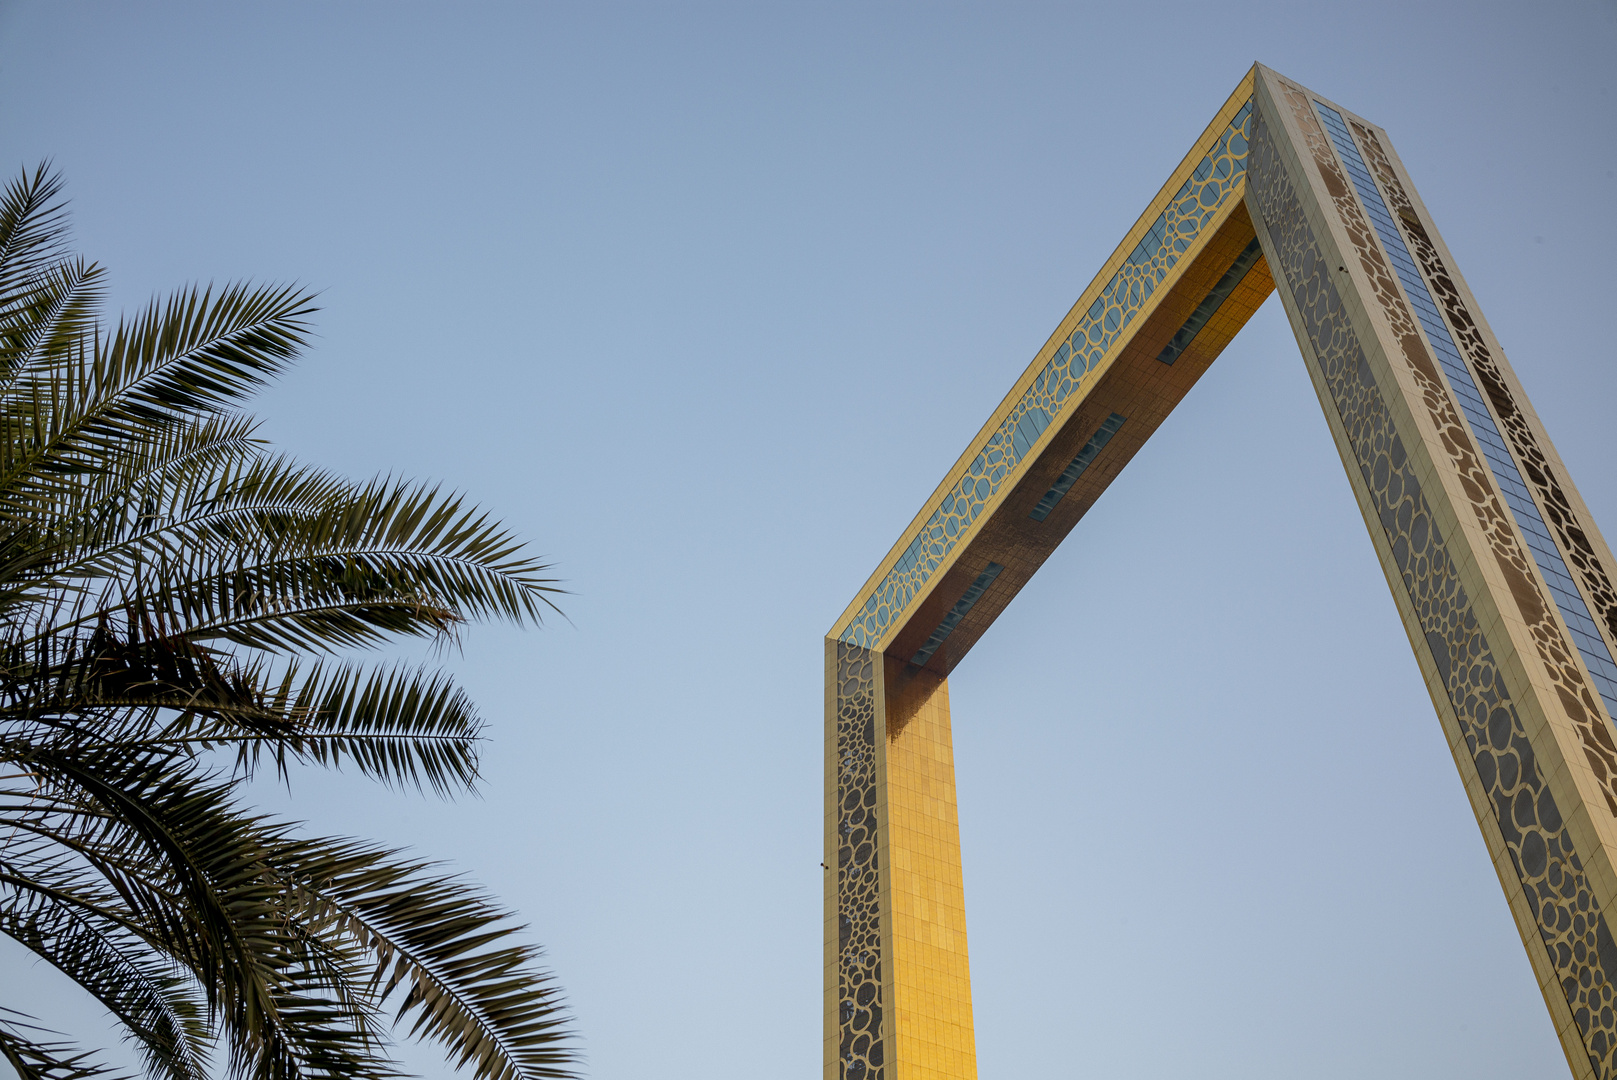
point(443, 953)
point(191, 868)
point(148, 996)
point(36, 1060)
point(194, 355)
point(402, 726)
point(33, 227)
point(271, 555)
point(41, 319)
point(200, 352)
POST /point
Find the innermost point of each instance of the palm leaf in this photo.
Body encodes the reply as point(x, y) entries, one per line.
point(36, 1060)
point(33, 228)
point(148, 996)
point(443, 952)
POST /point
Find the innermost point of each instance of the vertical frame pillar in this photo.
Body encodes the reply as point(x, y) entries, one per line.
point(897, 977)
point(855, 1016)
point(1495, 618)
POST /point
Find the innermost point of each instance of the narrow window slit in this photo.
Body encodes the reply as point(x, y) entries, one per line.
point(973, 593)
point(1075, 468)
point(1211, 303)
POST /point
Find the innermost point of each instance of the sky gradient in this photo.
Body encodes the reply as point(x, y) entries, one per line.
point(705, 299)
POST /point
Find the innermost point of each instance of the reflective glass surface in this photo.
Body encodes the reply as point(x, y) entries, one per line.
point(1075, 468)
point(1211, 303)
point(967, 601)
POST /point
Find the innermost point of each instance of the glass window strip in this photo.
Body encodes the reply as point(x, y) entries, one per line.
point(967, 601)
point(1075, 468)
point(1573, 607)
point(1211, 302)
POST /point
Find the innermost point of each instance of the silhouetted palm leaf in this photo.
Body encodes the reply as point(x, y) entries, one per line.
point(36, 1060)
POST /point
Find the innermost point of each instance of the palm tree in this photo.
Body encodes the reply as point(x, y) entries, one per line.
point(174, 600)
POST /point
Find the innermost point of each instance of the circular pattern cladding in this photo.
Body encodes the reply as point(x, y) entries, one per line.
point(1558, 512)
point(859, 972)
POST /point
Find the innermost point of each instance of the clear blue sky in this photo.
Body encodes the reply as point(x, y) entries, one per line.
point(704, 299)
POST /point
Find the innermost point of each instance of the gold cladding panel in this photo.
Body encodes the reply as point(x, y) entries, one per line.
point(932, 1036)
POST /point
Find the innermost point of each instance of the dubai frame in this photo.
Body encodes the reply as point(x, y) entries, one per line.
point(1504, 585)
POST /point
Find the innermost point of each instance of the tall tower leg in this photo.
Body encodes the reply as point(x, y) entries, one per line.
point(1501, 587)
point(897, 981)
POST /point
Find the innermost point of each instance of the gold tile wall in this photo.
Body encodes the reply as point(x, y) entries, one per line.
point(929, 976)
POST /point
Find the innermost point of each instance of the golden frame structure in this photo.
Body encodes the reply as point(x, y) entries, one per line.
point(1502, 580)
